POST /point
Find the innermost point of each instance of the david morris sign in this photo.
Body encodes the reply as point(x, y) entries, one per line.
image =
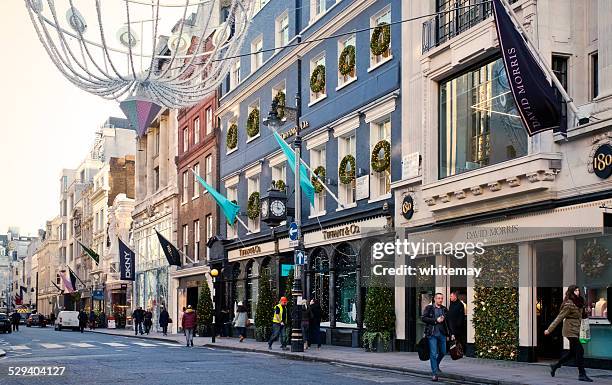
point(602, 161)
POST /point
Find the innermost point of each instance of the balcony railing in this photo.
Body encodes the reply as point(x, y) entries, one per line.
point(454, 17)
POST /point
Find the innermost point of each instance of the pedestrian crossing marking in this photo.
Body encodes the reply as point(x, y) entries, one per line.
point(143, 344)
point(19, 347)
point(82, 345)
point(167, 344)
point(114, 344)
point(52, 346)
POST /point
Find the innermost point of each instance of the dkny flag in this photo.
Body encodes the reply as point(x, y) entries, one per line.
point(535, 99)
point(127, 262)
point(172, 253)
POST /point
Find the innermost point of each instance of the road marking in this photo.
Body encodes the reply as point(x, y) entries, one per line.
point(114, 344)
point(144, 344)
point(167, 344)
point(82, 345)
point(52, 346)
point(19, 347)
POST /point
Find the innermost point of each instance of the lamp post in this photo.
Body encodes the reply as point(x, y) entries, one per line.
point(214, 273)
point(297, 341)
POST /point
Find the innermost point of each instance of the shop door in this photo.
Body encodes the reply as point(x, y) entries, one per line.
point(192, 297)
point(549, 294)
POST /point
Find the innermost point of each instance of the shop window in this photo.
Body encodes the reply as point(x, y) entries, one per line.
point(346, 147)
point(479, 123)
point(320, 283)
point(317, 158)
point(346, 286)
point(380, 181)
point(383, 17)
point(238, 289)
point(251, 289)
point(350, 61)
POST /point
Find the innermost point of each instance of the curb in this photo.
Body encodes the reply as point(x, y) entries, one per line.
point(302, 357)
point(143, 337)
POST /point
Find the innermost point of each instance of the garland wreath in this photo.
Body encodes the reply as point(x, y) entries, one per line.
point(253, 123)
point(231, 141)
point(594, 259)
point(346, 62)
point(317, 79)
point(381, 39)
point(280, 185)
point(320, 172)
point(253, 206)
point(280, 100)
point(380, 165)
point(347, 175)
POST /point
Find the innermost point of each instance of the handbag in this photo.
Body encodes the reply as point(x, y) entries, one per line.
point(423, 349)
point(585, 331)
point(169, 320)
point(456, 351)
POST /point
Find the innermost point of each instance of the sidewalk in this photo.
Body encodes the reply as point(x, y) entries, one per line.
point(466, 369)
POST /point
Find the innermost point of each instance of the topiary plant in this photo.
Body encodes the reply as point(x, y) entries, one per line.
point(265, 307)
point(205, 309)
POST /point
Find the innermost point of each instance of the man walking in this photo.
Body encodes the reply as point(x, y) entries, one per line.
point(15, 318)
point(189, 324)
point(279, 320)
point(164, 319)
point(138, 317)
point(82, 320)
point(436, 330)
point(92, 320)
point(456, 317)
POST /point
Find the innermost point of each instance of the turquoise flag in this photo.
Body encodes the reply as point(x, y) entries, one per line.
point(230, 209)
point(307, 186)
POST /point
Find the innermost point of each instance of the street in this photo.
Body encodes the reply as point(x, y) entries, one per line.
point(94, 358)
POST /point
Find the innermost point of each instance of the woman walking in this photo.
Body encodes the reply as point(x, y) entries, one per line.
point(314, 337)
point(572, 312)
point(240, 320)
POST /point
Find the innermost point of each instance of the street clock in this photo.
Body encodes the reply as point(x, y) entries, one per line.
point(273, 207)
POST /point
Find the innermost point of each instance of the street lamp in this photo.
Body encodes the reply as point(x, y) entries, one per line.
point(214, 273)
point(272, 121)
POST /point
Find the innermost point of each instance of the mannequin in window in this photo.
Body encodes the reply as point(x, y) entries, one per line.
point(601, 308)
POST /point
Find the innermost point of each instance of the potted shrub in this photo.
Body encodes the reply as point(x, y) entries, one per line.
point(379, 318)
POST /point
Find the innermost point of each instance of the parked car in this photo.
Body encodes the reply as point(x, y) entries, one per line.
point(5, 323)
point(36, 320)
point(67, 319)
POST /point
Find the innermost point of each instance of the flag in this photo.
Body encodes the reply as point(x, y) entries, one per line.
point(91, 253)
point(535, 99)
point(172, 254)
point(73, 278)
point(127, 262)
point(305, 183)
point(229, 208)
point(67, 284)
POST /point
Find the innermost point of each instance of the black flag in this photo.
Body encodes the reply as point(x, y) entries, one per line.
point(535, 99)
point(127, 262)
point(172, 254)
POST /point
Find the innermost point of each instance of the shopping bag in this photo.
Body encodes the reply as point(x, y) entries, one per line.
point(169, 320)
point(423, 349)
point(456, 350)
point(585, 331)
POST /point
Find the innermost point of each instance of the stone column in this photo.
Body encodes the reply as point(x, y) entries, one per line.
point(527, 301)
point(163, 158)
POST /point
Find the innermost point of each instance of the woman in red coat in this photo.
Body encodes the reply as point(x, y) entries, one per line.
point(189, 323)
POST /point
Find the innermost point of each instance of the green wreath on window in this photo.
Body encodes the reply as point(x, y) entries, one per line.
point(320, 172)
point(381, 39)
point(253, 207)
point(317, 79)
point(280, 100)
point(280, 185)
point(236, 219)
point(378, 164)
point(253, 123)
point(231, 141)
point(346, 62)
point(346, 174)
point(594, 259)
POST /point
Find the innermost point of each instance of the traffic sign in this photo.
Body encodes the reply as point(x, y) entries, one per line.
point(293, 231)
point(300, 257)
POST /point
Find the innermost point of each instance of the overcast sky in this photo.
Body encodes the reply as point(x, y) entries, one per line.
point(47, 124)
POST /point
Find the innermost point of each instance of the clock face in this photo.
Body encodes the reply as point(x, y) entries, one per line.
point(278, 208)
point(264, 208)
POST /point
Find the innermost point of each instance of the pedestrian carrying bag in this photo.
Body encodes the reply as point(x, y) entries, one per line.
point(423, 349)
point(585, 331)
point(169, 320)
point(456, 351)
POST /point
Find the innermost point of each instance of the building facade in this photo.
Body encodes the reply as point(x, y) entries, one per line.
point(350, 102)
point(49, 281)
point(472, 173)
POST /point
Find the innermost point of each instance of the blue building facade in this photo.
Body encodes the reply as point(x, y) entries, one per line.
point(350, 108)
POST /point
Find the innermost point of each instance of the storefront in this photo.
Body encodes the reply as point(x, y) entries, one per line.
point(188, 285)
point(118, 302)
point(151, 290)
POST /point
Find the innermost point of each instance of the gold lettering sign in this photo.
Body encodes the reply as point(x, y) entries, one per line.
point(341, 232)
point(602, 161)
point(250, 251)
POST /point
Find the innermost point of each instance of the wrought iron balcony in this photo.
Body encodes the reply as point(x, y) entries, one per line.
point(454, 17)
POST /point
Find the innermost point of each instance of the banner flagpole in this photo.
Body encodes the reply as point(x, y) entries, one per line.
point(543, 63)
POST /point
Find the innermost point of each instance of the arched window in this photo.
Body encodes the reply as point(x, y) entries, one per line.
point(237, 287)
point(320, 281)
point(345, 260)
point(251, 288)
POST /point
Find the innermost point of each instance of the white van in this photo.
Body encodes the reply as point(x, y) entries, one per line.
point(67, 319)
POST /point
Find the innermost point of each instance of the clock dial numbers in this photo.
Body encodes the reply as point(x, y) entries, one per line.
point(278, 208)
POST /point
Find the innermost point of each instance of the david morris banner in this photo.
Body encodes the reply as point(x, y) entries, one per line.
point(535, 99)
